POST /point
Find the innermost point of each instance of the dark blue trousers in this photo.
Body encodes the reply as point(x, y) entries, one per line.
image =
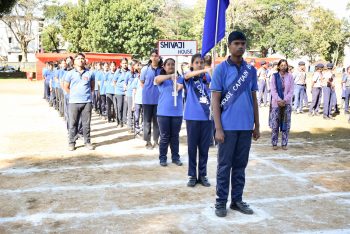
point(262, 95)
point(169, 127)
point(137, 114)
point(199, 135)
point(316, 99)
point(327, 91)
point(233, 157)
point(79, 112)
point(347, 98)
point(47, 90)
point(96, 100)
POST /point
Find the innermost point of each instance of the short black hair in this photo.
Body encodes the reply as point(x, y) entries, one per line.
point(79, 54)
point(236, 35)
point(208, 60)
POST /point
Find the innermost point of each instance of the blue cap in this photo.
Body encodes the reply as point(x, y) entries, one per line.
point(320, 65)
point(301, 63)
point(330, 65)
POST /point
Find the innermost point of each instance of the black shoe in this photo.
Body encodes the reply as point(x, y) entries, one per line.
point(192, 181)
point(241, 207)
point(149, 145)
point(177, 162)
point(71, 147)
point(89, 146)
point(203, 180)
point(163, 164)
point(220, 209)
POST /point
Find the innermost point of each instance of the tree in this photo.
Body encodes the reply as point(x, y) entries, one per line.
point(20, 23)
point(6, 7)
point(110, 26)
point(325, 35)
point(50, 38)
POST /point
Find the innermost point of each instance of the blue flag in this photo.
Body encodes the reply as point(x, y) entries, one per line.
point(211, 21)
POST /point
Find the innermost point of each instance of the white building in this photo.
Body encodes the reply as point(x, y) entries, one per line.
point(10, 50)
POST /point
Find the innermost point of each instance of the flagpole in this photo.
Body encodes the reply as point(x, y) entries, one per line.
point(175, 83)
point(216, 29)
point(214, 55)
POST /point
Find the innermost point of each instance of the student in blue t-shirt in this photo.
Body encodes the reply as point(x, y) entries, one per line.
point(43, 76)
point(137, 96)
point(169, 116)
point(97, 73)
point(236, 116)
point(129, 92)
point(49, 75)
point(121, 76)
point(198, 123)
point(56, 87)
point(60, 94)
point(65, 98)
point(134, 75)
point(150, 95)
point(78, 84)
point(110, 83)
point(101, 84)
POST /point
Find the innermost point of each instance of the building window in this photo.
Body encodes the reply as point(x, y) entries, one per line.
point(19, 58)
point(10, 40)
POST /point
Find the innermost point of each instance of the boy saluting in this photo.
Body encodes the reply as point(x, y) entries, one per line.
point(236, 116)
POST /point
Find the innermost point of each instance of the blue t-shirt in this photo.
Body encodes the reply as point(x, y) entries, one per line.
point(43, 72)
point(136, 84)
point(109, 83)
point(49, 75)
point(239, 115)
point(121, 77)
point(96, 76)
point(54, 83)
point(166, 99)
point(80, 86)
point(128, 82)
point(194, 110)
point(103, 78)
point(61, 76)
point(150, 93)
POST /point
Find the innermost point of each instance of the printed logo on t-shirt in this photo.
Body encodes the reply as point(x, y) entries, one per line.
point(86, 78)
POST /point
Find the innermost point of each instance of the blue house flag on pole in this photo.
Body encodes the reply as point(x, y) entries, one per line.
point(214, 24)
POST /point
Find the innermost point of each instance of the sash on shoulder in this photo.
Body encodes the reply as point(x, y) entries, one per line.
point(238, 86)
point(201, 93)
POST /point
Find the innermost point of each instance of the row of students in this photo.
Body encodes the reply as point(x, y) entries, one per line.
point(235, 110)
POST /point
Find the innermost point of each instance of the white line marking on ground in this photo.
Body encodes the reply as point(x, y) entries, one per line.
point(282, 170)
point(39, 217)
point(140, 163)
point(167, 183)
point(334, 231)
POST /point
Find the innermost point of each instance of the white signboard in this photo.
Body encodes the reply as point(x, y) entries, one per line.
point(177, 47)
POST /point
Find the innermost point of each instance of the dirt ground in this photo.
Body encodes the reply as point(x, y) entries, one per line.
point(120, 187)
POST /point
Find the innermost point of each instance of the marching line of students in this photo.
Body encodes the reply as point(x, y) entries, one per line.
point(127, 95)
